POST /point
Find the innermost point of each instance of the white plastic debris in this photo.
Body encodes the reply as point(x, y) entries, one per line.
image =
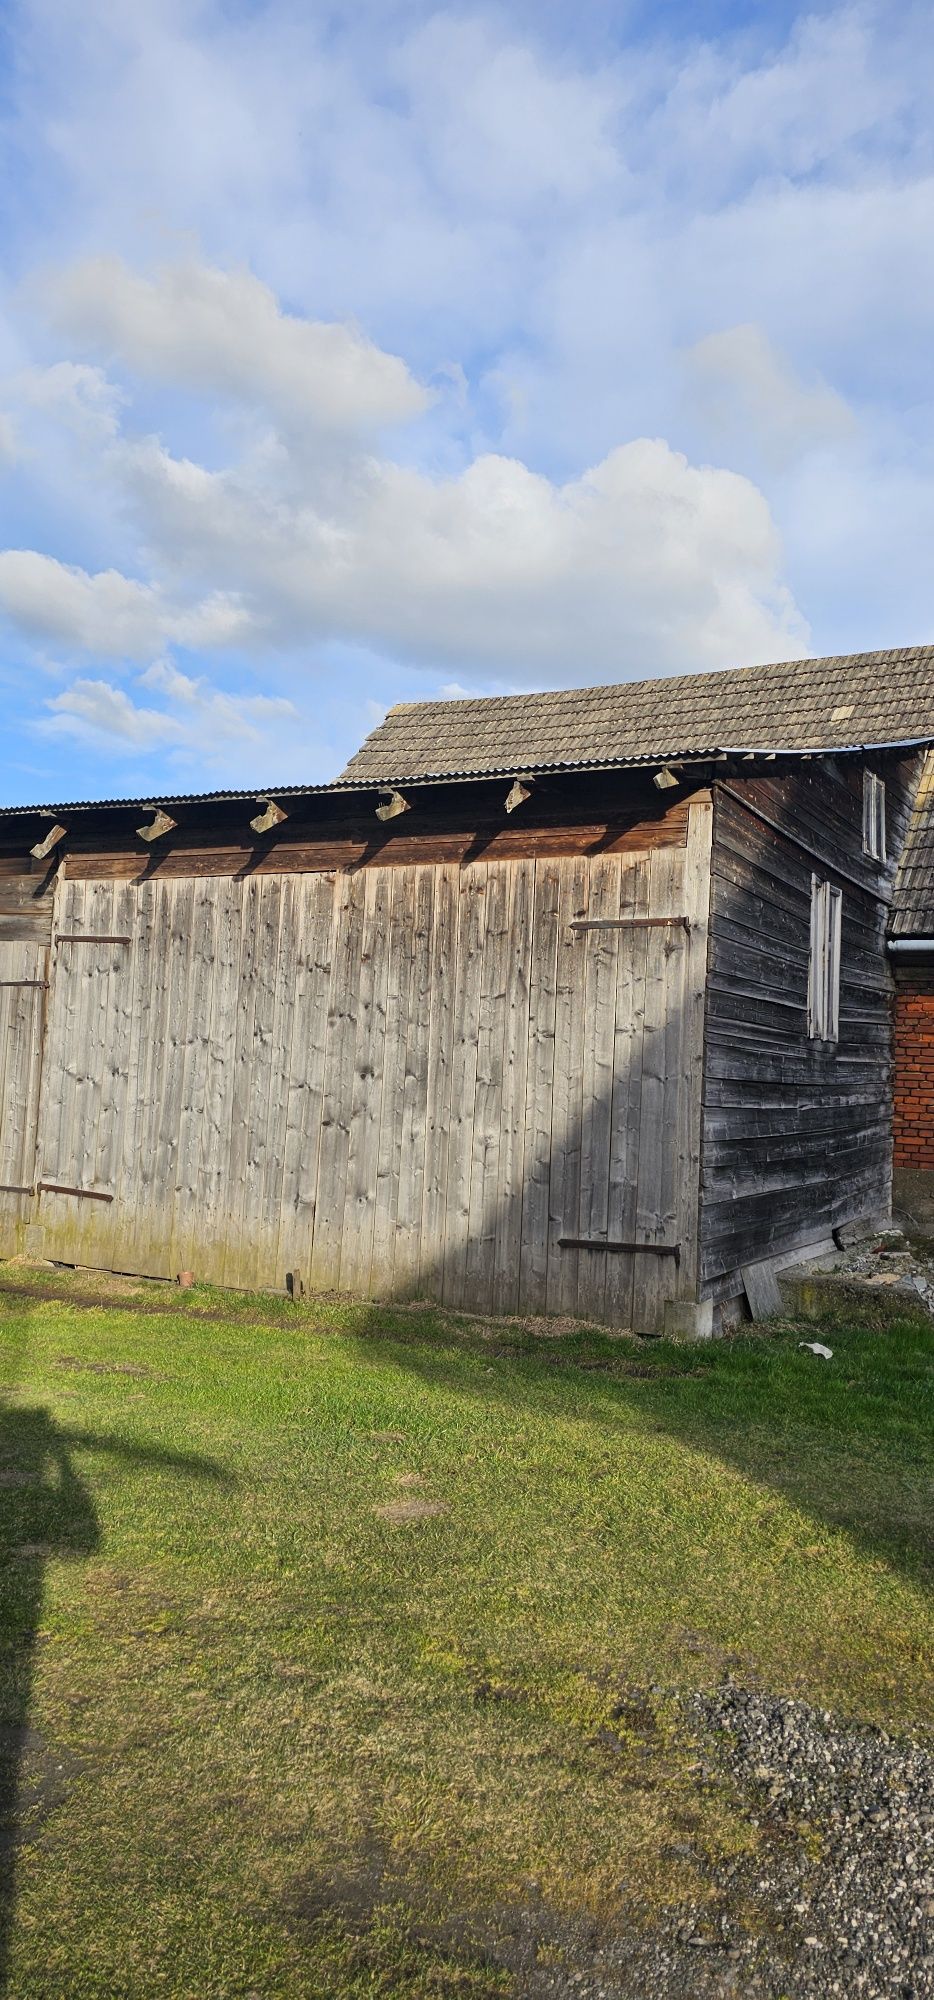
point(817, 1347)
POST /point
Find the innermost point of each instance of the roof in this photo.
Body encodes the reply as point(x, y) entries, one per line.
point(848, 702)
point(913, 910)
point(150, 803)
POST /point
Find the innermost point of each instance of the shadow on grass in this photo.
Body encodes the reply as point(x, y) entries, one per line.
point(850, 1442)
point(47, 1512)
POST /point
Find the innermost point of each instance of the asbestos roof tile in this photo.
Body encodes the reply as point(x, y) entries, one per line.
point(913, 903)
point(837, 703)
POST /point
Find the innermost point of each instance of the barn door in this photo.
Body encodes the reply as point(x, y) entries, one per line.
point(23, 973)
point(85, 1083)
point(619, 1186)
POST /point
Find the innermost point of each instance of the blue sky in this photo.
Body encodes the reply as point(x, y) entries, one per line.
point(351, 355)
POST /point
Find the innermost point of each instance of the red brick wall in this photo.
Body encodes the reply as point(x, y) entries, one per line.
point(914, 1074)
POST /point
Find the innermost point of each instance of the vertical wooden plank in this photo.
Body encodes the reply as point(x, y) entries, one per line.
point(507, 1248)
point(206, 1253)
point(21, 1013)
point(254, 1263)
point(113, 1242)
point(567, 1093)
point(626, 1190)
point(444, 981)
point(533, 1276)
point(414, 1103)
point(169, 1074)
point(660, 1051)
point(87, 1061)
point(283, 1029)
point(627, 1089)
point(366, 1086)
point(696, 888)
point(319, 917)
point(599, 950)
point(471, 926)
point(236, 1191)
point(677, 948)
point(335, 1114)
point(486, 1134)
point(187, 1213)
point(147, 1166)
point(392, 1098)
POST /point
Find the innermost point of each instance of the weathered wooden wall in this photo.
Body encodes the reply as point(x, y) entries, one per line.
point(23, 974)
point(406, 1080)
point(796, 1133)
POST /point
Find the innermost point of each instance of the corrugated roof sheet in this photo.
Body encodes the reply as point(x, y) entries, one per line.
point(149, 803)
point(839, 703)
point(914, 885)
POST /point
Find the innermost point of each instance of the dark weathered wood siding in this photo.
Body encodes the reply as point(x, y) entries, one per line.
point(796, 1133)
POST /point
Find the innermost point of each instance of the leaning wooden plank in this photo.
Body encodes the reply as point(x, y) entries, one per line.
point(760, 1283)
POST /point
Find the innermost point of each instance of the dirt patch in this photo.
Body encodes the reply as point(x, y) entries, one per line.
point(414, 1509)
point(35, 1778)
point(103, 1367)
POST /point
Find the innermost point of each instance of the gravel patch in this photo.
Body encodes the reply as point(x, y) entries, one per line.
point(850, 1883)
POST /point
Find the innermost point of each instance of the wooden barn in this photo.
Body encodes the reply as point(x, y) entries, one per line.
point(568, 1003)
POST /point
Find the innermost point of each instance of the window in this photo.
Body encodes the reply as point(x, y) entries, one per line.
point(873, 816)
point(824, 970)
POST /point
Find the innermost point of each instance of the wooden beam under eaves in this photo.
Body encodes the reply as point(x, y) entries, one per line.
point(161, 824)
point(52, 838)
point(393, 806)
point(272, 816)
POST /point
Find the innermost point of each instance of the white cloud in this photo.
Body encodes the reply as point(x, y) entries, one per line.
point(547, 218)
point(9, 450)
point(196, 717)
point(225, 334)
point(750, 395)
point(644, 563)
point(107, 614)
point(73, 394)
point(97, 709)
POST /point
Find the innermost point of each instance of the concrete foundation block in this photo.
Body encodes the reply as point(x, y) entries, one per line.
point(689, 1319)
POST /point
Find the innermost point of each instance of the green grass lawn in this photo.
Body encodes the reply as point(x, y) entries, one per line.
point(342, 1634)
